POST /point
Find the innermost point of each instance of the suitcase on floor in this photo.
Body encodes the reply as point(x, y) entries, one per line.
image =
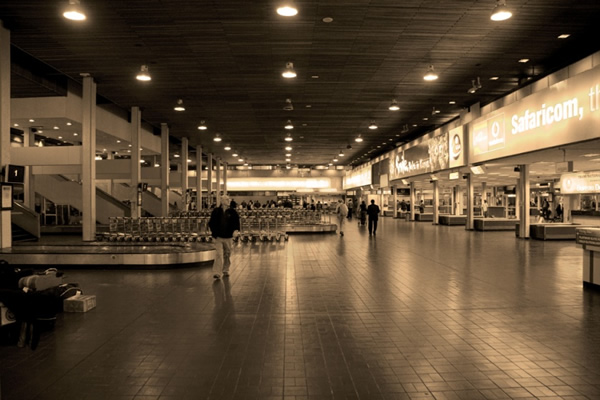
point(43, 280)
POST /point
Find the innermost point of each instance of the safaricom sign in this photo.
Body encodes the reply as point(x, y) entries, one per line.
point(546, 115)
point(566, 112)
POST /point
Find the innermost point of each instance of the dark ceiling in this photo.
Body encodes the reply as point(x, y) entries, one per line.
point(224, 59)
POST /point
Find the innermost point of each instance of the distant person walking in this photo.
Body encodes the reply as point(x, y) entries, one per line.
point(224, 223)
point(342, 214)
point(373, 213)
point(363, 213)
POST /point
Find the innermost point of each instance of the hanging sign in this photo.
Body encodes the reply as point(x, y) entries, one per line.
point(580, 183)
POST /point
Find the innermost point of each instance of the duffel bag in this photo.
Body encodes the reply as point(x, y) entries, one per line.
point(10, 275)
point(43, 280)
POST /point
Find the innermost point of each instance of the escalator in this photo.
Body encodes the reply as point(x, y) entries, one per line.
point(25, 224)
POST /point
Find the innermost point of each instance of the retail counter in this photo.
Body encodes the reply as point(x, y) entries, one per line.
point(424, 217)
point(589, 240)
point(552, 231)
point(447, 219)
point(495, 224)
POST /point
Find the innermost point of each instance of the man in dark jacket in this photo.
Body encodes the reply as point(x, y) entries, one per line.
point(373, 212)
point(224, 223)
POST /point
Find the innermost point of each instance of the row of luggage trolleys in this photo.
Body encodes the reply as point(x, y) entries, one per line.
point(189, 229)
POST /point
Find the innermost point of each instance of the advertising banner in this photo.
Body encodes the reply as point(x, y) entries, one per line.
point(428, 156)
point(580, 182)
point(456, 140)
point(358, 178)
point(566, 112)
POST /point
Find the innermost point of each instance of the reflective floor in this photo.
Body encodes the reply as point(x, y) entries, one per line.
point(417, 312)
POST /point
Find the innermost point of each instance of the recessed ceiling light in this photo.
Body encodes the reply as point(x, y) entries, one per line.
point(315, 76)
point(56, 128)
point(32, 120)
point(308, 106)
point(288, 148)
point(451, 102)
point(494, 78)
point(60, 137)
point(15, 124)
point(234, 155)
point(75, 133)
point(564, 36)
point(69, 124)
point(524, 60)
point(425, 119)
point(227, 147)
point(176, 155)
point(288, 159)
point(288, 154)
point(327, 20)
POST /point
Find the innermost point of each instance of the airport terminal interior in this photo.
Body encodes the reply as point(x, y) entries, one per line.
point(462, 136)
point(415, 312)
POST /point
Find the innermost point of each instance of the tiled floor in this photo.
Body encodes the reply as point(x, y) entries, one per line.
point(417, 312)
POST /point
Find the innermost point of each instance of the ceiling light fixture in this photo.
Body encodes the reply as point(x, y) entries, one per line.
point(394, 106)
point(341, 154)
point(500, 12)
point(289, 71)
point(288, 105)
point(289, 125)
point(202, 126)
point(144, 74)
point(287, 9)
point(372, 125)
point(289, 138)
point(288, 148)
point(234, 155)
point(179, 106)
point(217, 137)
point(358, 139)
point(74, 12)
point(430, 75)
point(475, 86)
point(227, 147)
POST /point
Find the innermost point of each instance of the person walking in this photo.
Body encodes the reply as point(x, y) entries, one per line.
point(373, 212)
point(363, 213)
point(224, 224)
point(342, 214)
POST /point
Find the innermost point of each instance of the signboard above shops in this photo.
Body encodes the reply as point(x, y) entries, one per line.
point(430, 155)
point(566, 112)
point(357, 178)
point(580, 183)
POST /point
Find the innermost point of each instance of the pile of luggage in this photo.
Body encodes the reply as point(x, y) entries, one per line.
point(30, 302)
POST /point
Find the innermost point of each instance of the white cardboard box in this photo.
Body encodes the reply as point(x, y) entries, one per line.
point(6, 316)
point(83, 303)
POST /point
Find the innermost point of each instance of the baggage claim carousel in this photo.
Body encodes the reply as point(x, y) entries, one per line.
point(71, 251)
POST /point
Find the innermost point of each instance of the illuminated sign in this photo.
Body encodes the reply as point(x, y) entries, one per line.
point(360, 177)
point(566, 112)
point(277, 184)
point(456, 140)
point(580, 183)
point(453, 176)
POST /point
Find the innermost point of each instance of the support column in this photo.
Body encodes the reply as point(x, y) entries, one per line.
point(524, 195)
point(395, 190)
point(199, 178)
point(29, 185)
point(413, 203)
point(88, 159)
point(136, 170)
point(218, 192)
point(209, 182)
point(5, 218)
point(225, 177)
point(458, 200)
point(184, 174)
point(436, 202)
point(470, 225)
point(165, 167)
point(484, 192)
point(570, 200)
